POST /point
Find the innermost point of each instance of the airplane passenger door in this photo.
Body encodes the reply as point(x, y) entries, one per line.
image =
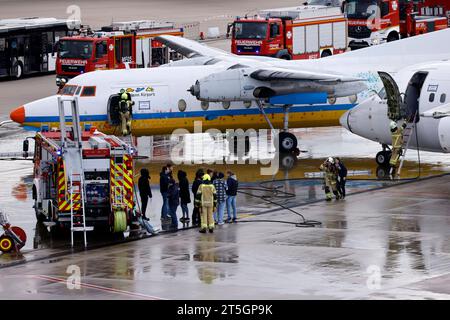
point(394, 98)
point(413, 94)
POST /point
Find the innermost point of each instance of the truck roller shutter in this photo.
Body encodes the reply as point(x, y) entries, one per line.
point(340, 35)
point(312, 38)
point(298, 40)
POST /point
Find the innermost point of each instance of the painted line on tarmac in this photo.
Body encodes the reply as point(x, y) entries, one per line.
point(101, 288)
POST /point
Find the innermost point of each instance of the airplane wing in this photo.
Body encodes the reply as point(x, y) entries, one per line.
point(274, 74)
point(190, 48)
point(438, 112)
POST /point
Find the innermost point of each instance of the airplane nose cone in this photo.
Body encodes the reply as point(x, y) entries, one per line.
point(18, 115)
point(343, 120)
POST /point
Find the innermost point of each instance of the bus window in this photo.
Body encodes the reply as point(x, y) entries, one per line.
point(2, 44)
point(88, 91)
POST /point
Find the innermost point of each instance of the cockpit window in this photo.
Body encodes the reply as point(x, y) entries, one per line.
point(382, 94)
point(78, 90)
point(68, 90)
point(88, 91)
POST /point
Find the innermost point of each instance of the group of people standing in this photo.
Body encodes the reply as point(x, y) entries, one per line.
point(335, 177)
point(212, 193)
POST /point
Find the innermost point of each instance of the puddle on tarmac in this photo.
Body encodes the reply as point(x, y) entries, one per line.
point(289, 185)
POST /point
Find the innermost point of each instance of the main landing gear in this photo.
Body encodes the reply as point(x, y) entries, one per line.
point(382, 158)
point(285, 142)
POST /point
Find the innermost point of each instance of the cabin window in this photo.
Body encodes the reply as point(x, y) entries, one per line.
point(443, 98)
point(88, 91)
point(431, 99)
point(68, 90)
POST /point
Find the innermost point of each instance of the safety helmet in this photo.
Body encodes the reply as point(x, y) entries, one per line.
point(393, 125)
point(124, 96)
point(206, 177)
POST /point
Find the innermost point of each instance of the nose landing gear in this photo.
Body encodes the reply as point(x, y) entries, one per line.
point(382, 158)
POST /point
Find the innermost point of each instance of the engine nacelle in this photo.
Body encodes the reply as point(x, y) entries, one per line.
point(238, 85)
point(229, 85)
point(444, 134)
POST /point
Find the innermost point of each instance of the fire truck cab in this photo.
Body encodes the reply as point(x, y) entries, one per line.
point(107, 180)
point(113, 47)
point(373, 22)
point(304, 32)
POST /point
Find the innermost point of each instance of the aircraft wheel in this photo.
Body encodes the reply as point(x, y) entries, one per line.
point(287, 142)
point(287, 161)
point(383, 172)
point(383, 158)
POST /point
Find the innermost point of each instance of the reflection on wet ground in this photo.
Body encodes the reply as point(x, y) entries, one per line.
point(397, 235)
point(388, 243)
point(259, 193)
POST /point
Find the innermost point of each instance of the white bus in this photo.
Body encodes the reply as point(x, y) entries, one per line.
point(28, 45)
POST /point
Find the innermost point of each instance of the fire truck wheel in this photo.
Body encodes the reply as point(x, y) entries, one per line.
point(6, 244)
point(393, 36)
point(326, 53)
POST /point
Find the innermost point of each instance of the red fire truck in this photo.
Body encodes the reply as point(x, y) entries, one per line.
point(305, 32)
point(372, 22)
point(111, 48)
point(82, 178)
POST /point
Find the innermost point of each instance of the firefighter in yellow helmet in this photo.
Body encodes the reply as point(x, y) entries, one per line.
point(125, 105)
point(397, 145)
point(329, 178)
point(206, 199)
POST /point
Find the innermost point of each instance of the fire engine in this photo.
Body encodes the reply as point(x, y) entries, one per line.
point(82, 179)
point(372, 22)
point(113, 47)
point(304, 32)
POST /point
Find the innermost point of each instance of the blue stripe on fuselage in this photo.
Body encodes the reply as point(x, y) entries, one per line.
point(207, 114)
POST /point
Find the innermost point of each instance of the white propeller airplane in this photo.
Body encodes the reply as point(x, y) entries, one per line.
point(235, 92)
point(422, 93)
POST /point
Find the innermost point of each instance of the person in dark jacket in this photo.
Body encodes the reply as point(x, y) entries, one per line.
point(341, 178)
point(185, 197)
point(232, 187)
point(195, 185)
point(144, 190)
point(173, 196)
point(164, 188)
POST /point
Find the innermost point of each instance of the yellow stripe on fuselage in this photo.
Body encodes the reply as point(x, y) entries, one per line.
point(146, 127)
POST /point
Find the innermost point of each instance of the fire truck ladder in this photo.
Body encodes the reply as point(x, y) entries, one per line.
point(407, 135)
point(72, 151)
point(77, 217)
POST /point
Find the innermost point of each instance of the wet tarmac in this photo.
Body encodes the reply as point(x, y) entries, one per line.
point(385, 244)
point(391, 242)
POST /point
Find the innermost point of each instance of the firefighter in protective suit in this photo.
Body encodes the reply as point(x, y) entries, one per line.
point(125, 105)
point(330, 178)
point(397, 144)
point(206, 199)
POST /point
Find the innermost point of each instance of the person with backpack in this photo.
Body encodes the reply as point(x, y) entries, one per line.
point(185, 198)
point(173, 195)
point(221, 189)
point(206, 199)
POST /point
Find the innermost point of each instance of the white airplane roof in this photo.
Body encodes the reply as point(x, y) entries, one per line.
point(29, 23)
